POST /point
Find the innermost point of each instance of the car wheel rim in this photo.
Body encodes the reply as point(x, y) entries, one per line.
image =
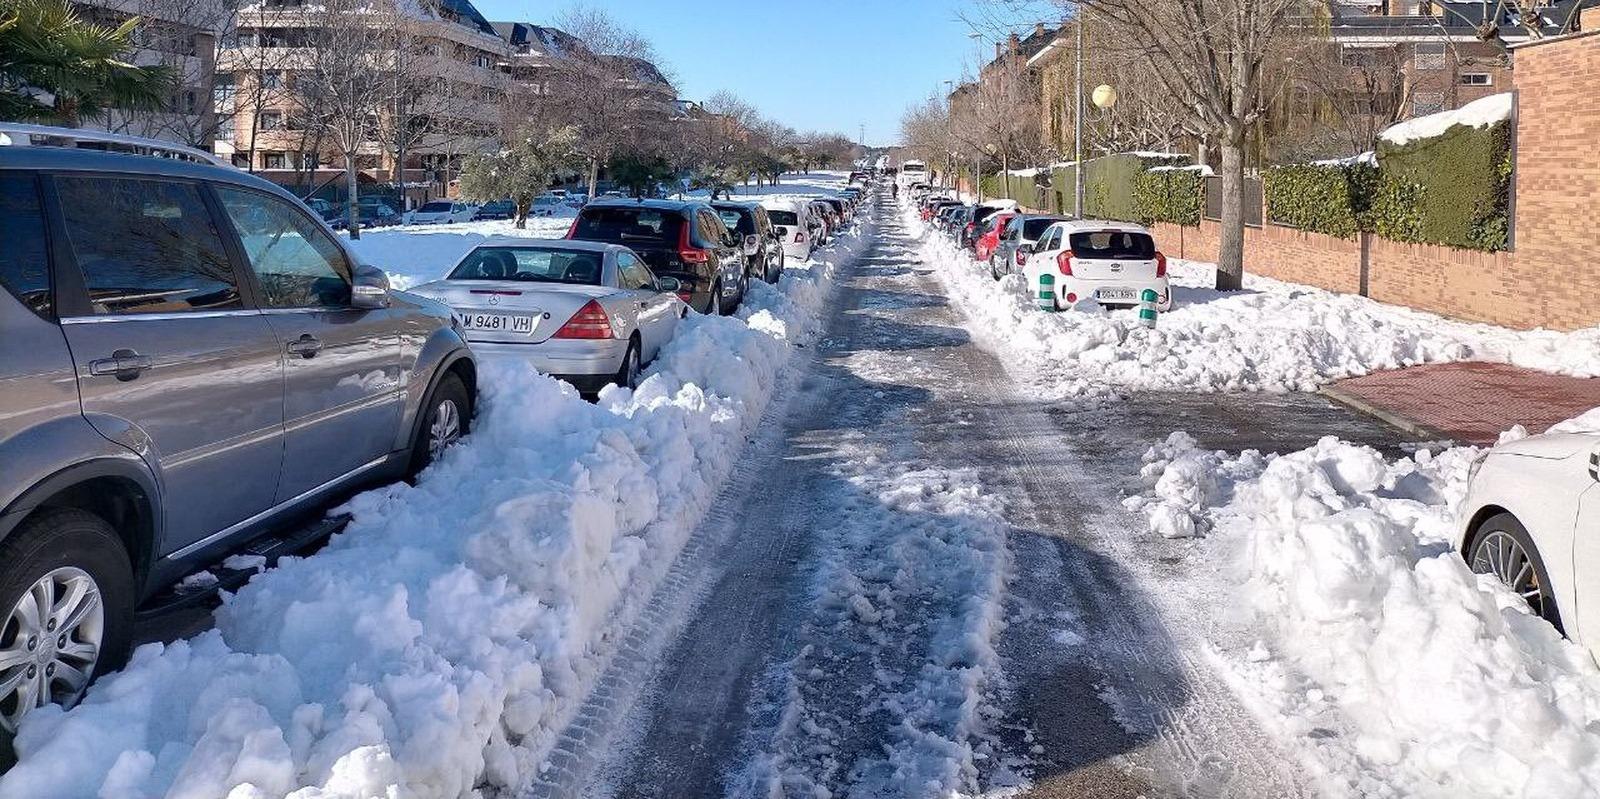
point(50, 644)
point(445, 429)
point(1501, 555)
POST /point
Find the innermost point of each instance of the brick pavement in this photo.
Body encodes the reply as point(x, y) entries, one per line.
point(1468, 402)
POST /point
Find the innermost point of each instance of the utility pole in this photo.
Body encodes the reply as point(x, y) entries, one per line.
point(1077, 122)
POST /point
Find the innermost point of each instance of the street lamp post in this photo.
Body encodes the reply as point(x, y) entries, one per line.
point(1077, 120)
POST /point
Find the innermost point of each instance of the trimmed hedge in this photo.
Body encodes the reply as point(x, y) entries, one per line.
point(1453, 189)
point(1177, 196)
point(1330, 199)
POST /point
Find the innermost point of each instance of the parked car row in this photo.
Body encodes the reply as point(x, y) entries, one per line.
point(1063, 261)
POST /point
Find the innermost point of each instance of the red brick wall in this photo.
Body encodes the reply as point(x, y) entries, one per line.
point(1276, 252)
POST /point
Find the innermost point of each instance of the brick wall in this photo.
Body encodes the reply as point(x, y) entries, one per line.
point(1550, 279)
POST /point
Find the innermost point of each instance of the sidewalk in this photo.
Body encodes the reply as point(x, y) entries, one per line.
point(1470, 403)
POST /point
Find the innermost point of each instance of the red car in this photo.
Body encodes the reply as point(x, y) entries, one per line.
point(996, 225)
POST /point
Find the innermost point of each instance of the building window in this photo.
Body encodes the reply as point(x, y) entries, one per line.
point(274, 161)
point(272, 80)
point(270, 120)
point(1429, 55)
point(308, 162)
point(1476, 79)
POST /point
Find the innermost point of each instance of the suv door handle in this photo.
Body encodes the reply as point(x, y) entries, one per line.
point(124, 364)
point(307, 346)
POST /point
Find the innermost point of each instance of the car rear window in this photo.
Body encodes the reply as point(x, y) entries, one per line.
point(629, 225)
point(743, 224)
point(1034, 228)
point(531, 264)
point(784, 218)
point(434, 208)
point(1113, 244)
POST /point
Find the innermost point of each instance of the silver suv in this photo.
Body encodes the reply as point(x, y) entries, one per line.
point(191, 367)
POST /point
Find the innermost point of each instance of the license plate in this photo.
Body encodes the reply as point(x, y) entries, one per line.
point(497, 323)
point(1116, 294)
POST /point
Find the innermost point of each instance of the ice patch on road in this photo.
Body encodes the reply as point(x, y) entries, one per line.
point(1273, 336)
point(434, 648)
point(1383, 655)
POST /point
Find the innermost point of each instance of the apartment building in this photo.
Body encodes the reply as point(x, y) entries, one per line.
point(181, 35)
point(445, 72)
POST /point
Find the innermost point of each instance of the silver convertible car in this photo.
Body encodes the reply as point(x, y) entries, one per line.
point(586, 312)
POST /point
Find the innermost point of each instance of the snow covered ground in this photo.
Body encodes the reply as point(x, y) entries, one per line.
point(434, 646)
point(1378, 652)
point(1274, 336)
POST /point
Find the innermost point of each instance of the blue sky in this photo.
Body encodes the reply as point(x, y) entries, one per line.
point(830, 65)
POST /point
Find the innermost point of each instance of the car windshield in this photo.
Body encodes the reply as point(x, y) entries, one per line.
point(629, 224)
point(789, 218)
point(531, 264)
point(435, 208)
point(1113, 244)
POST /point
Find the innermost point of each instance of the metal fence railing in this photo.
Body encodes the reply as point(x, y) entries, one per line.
point(1252, 200)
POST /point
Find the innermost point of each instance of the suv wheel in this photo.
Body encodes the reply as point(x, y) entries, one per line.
point(67, 595)
point(447, 418)
point(714, 308)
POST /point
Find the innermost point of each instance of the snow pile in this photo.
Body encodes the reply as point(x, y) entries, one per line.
point(1273, 336)
point(1476, 114)
point(434, 648)
point(1383, 653)
point(911, 587)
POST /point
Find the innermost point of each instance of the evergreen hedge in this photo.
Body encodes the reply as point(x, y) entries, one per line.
point(1321, 198)
point(1452, 189)
point(1177, 196)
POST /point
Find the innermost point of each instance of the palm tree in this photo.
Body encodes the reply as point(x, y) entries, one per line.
point(60, 69)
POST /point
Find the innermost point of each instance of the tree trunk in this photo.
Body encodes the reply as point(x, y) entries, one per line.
point(522, 215)
point(352, 211)
point(594, 174)
point(1230, 256)
point(1005, 174)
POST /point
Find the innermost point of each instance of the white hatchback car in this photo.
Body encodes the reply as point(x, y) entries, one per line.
point(441, 212)
point(1531, 518)
point(586, 312)
point(791, 220)
point(1109, 262)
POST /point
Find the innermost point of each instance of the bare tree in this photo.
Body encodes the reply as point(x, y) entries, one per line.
point(1212, 56)
point(186, 37)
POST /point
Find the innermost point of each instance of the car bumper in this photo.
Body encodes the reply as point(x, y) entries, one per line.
point(1070, 290)
point(573, 360)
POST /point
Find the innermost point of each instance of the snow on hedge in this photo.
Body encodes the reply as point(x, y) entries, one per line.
point(1476, 114)
point(438, 643)
point(1273, 336)
point(1382, 655)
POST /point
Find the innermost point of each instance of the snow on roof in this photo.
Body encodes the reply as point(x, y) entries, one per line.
point(1153, 154)
point(1369, 158)
point(1205, 171)
point(1476, 114)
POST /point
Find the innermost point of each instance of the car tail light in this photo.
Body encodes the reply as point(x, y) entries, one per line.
point(590, 322)
point(687, 252)
point(686, 296)
point(1161, 265)
point(1064, 262)
point(572, 232)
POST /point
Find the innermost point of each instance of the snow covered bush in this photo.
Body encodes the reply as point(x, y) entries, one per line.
point(1383, 652)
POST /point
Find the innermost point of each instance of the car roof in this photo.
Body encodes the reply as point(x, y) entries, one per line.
point(744, 206)
point(71, 159)
point(1075, 225)
point(660, 205)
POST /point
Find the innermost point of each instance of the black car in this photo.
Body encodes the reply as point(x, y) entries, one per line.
point(683, 239)
point(974, 226)
point(763, 250)
point(499, 209)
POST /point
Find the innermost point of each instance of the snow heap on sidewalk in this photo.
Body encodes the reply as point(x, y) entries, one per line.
point(1382, 655)
point(1273, 336)
point(435, 646)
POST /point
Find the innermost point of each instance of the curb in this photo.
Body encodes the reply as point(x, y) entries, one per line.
point(1398, 421)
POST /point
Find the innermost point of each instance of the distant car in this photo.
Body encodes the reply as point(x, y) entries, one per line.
point(547, 204)
point(758, 239)
point(993, 228)
point(498, 209)
point(376, 214)
point(585, 312)
point(577, 200)
point(1528, 519)
point(680, 239)
point(1109, 262)
point(1018, 243)
point(443, 212)
point(791, 220)
point(975, 224)
point(828, 216)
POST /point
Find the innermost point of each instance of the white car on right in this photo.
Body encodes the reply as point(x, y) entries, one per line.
point(791, 220)
point(1531, 518)
point(1109, 262)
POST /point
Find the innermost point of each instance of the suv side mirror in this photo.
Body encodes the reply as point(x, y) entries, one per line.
point(752, 244)
point(670, 285)
point(370, 288)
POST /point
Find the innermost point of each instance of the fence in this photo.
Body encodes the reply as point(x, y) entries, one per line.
point(1252, 200)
